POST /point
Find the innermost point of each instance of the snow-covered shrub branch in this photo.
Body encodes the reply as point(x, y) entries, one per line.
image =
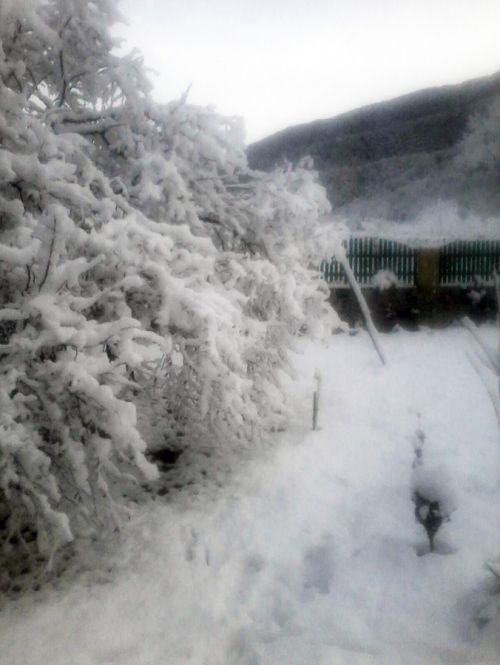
point(146, 273)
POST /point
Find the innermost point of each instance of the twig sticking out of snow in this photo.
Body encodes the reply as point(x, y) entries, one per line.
point(341, 257)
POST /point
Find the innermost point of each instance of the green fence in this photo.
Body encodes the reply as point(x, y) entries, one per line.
point(459, 262)
point(462, 262)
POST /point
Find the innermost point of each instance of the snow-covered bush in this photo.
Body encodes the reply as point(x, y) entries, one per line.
point(65, 427)
point(150, 281)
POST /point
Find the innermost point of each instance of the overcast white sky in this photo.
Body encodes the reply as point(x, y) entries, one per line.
point(281, 62)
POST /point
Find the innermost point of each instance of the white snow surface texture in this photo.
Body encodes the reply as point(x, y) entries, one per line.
point(308, 554)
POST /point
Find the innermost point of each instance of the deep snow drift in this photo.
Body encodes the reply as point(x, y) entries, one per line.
point(310, 554)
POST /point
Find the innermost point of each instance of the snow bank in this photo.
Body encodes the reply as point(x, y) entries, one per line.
point(309, 555)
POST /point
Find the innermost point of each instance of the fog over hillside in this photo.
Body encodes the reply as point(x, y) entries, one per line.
point(431, 157)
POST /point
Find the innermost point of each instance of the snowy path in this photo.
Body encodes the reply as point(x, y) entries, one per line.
point(309, 556)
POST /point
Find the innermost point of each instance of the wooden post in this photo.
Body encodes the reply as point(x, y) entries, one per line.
point(317, 388)
point(315, 410)
point(427, 277)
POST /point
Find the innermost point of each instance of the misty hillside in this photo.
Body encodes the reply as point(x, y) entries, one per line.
point(396, 160)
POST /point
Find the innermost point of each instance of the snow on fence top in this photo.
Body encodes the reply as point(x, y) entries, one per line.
point(457, 263)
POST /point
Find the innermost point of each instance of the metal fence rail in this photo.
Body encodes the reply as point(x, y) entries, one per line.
point(460, 262)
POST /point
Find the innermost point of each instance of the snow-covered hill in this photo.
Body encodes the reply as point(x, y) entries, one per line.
point(310, 554)
point(398, 159)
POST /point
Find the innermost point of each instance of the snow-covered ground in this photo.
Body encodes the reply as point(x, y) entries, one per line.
point(310, 554)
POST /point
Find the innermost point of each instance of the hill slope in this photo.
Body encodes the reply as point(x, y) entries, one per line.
point(395, 159)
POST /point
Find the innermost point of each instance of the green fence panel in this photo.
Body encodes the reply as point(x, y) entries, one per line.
point(464, 262)
point(461, 262)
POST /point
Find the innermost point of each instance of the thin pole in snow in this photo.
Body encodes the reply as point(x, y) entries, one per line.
point(341, 257)
point(497, 290)
point(317, 386)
